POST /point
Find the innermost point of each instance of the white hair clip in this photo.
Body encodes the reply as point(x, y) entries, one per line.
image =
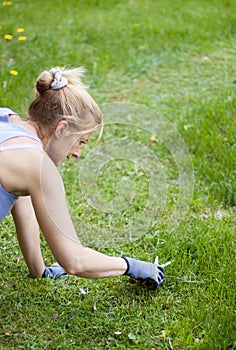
point(59, 81)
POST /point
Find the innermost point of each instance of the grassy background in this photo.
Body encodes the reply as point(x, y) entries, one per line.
point(177, 58)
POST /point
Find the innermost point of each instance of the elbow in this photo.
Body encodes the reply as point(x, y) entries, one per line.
point(75, 266)
point(75, 261)
point(75, 269)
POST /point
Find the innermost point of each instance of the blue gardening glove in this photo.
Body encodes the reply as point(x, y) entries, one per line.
point(55, 271)
point(151, 274)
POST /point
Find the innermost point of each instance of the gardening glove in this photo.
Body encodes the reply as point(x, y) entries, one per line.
point(55, 271)
point(151, 274)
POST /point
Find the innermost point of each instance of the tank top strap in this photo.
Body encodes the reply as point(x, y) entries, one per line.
point(21, 146)
point(10, 131)
point(5, 113)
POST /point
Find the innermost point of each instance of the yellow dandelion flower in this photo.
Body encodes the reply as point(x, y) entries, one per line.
point(22, 38)
point(153, 138)
point(8, 36)
point(20, 30)
point(7, 3)
point(13, 72)
point(163, 335)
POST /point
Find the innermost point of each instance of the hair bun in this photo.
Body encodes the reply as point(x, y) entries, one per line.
point(54, 79)
point(44, 82)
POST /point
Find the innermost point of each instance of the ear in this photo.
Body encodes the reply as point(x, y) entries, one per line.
point(61, 128)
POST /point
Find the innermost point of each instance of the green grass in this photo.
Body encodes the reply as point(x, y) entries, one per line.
point(177, 59)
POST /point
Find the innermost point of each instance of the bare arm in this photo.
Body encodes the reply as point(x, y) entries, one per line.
point(28, 235)
point(48, 198)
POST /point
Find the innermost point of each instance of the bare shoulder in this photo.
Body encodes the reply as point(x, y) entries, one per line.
point(21, 169)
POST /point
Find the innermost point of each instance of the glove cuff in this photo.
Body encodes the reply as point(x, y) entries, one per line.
point(128, 266)
point(44, 274)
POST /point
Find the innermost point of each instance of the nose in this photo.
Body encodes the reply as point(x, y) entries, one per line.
point(76, 150)
point(76, 154)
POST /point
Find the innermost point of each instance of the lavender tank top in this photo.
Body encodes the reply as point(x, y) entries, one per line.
point(9, 131)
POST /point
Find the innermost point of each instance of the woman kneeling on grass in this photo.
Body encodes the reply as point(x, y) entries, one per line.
point(61, 118)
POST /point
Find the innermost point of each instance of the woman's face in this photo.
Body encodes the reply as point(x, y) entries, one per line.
point(62, 145)
point(77, 146)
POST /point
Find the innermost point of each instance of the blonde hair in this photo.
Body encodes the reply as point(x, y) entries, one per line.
point(71, 102)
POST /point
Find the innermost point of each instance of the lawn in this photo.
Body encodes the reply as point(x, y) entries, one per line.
point(162, 180)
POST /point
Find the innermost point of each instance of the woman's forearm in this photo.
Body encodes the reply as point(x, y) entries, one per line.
point(92, 264)
point(28, 235)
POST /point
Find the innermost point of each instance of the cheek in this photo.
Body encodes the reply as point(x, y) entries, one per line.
point(77, 147)
point(74, 145)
